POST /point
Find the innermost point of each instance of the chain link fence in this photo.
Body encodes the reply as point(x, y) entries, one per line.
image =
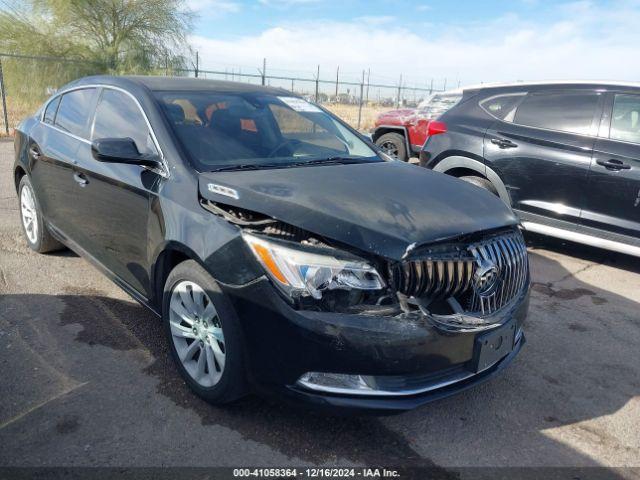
point(27, 81)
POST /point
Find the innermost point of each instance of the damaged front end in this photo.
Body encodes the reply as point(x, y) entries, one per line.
point(460, 284)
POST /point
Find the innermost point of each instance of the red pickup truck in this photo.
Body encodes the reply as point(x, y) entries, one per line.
point(401, 133)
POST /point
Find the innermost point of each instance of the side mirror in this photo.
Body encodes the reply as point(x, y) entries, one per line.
point(122, 150)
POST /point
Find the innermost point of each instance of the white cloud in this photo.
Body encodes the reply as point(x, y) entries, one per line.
point(584, 41)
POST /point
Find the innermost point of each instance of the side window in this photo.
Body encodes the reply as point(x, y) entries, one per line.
point(118, 116)
point(564, 111)
point(502, 107)
point(74, 111)
point(625, 118)
point(50, 112)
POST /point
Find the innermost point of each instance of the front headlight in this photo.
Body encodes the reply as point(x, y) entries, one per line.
point(305, 273)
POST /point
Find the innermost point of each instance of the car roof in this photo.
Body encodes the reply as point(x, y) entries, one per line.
point(160, 83)
point(550, 84)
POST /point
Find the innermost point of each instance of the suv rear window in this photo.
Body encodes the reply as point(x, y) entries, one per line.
point(564, 111)
point(74, 110)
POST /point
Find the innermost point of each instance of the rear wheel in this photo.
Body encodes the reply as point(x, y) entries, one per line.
point(35, 231)
point(480, 182)
point(204, 334)
point(393, 144)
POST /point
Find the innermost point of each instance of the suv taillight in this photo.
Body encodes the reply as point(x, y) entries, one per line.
point(436, 128)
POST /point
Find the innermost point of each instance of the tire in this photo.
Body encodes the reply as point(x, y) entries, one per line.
point(215, 329)
point(480, 182)
point(393, 144)
point(35, 231)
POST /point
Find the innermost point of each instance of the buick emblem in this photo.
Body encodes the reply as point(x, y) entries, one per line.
point(486, 278)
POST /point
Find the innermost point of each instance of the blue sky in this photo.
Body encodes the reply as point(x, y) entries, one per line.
point(462, 41)
point(418, 16)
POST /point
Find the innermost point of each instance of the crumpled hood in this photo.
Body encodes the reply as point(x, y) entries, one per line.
point(383, 208)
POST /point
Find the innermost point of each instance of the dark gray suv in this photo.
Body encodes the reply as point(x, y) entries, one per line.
point(564, 156)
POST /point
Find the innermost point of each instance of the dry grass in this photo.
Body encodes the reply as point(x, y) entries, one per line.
point(349, 113)
point(17, 111)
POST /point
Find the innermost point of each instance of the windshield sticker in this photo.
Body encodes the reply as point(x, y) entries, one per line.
point(222, 190)
point(300, 105)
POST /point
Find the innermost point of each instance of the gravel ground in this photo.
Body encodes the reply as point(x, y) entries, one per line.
point(86, 381)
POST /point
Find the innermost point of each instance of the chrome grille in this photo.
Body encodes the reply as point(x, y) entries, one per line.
point(482, 277)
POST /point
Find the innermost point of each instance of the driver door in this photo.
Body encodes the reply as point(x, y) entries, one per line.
point(117, 199)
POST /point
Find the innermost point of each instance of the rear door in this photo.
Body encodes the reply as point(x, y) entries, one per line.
point(53, 151)
point(613, 201)
point(542, 151)
point(117, 198)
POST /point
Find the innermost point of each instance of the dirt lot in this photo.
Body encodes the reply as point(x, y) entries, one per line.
point(85, 379)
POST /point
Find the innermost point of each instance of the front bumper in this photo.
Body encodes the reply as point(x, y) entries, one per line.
point(283, 344)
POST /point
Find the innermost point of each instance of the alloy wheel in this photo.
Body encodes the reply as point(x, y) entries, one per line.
point(390, 148)
point(29, 213)
point(197, 334)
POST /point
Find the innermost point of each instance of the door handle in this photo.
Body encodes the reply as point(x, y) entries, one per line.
point(35, 153)
point(80, 179)
point(503, 143)
point(613, 164)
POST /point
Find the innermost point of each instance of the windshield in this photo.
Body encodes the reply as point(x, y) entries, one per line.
point(256, 130)
point(438, 104)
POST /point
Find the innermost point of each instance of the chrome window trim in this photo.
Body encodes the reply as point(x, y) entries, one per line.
point(72, 135)
point(165, 172)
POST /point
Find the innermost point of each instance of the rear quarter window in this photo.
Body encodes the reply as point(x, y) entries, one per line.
point(50, 112)
point(502, 107)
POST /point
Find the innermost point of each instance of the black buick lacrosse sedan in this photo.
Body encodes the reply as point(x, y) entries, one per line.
point(283, 252)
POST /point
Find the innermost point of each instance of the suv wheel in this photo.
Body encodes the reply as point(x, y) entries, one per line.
point(480, 182)
point(393, 144)
point(35, 231)
point(204, 334)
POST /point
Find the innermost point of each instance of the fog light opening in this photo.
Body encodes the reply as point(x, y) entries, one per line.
point(337, 382)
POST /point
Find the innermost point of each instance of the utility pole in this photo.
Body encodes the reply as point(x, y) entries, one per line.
point(368, 82)
point(431, 87)
point(197, 64)
point(317, 83)
point(4, 101)
point(264, 70)
point(361, 95)
point(445, 85)
point(337, 77)
point(399, 92)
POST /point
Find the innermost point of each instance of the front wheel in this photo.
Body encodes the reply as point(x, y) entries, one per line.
point(204, 334)
point(35, 231)
point(393, 144)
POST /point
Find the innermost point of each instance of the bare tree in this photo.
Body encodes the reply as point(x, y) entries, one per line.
point(119, 35)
